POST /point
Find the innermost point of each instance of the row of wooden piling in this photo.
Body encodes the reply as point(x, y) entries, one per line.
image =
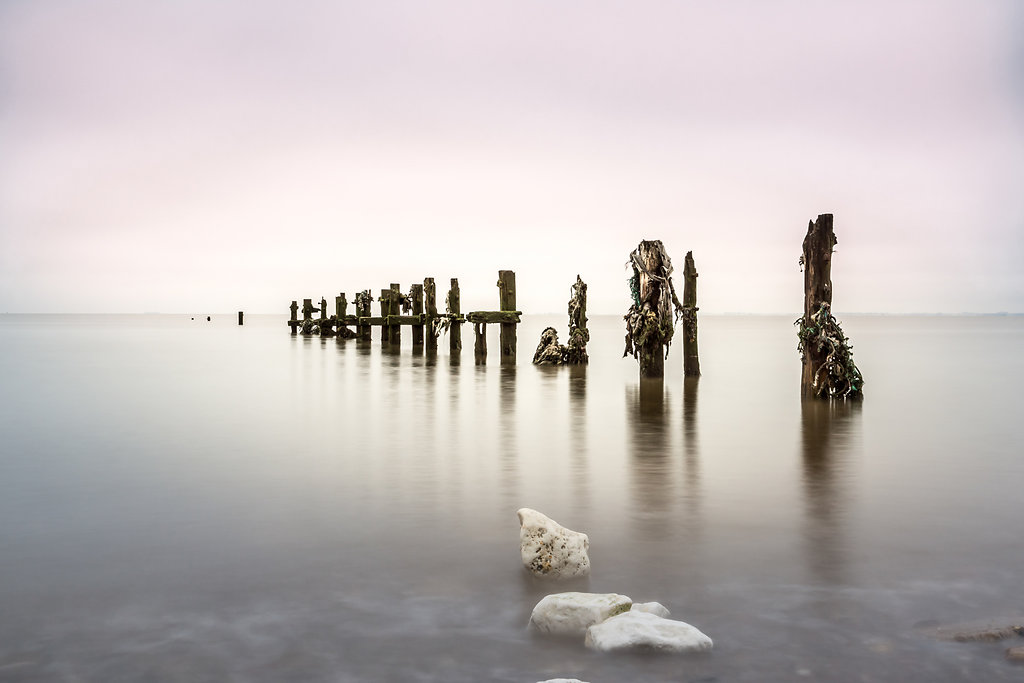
point(420, 314)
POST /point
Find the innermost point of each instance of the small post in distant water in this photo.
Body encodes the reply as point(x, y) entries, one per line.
point(240, 317)
point(293, 322)
point(691, 362)
point(416, 292)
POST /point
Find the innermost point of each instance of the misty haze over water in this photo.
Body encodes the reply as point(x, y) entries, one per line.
point(193, 500)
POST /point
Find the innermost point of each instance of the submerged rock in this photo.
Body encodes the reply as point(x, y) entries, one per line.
point(549, 550)
point(642, 630)
point(989, 630)
point(573, 613)
point(655, 608)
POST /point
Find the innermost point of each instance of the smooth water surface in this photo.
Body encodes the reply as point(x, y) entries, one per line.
point(183, 500)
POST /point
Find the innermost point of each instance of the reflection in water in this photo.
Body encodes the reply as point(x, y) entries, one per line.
point(650, 450)
point(507, 435)
point(829, 430)
point(579, 473)
point(691, 457)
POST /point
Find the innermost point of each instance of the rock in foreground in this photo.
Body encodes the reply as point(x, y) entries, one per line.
point(655, 608)
point(642, 630)
point(549, 550)
point(573, 613)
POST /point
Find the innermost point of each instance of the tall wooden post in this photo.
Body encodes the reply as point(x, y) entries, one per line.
point(454, 309)
point(325, 324)
point(307, 309)
point(341, 312)
point(396, 297)
point(363, 300)
point(507, 302)
point(691, 362)
point(579, 335)
point(430, 314)
point(417, 309)
point(293, 322)
point(385, 311)
point(240, 317)
point(650, 321)
point(817, 263)
point(480, 343)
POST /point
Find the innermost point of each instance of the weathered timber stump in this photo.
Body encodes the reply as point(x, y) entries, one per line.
point(363, 302)
point(549, 351)
point(579, 335)
point(828, 367)
point(293, 321)
point(650, 322)
point(416, 293)
point(430, 316)
point(394, 329)
point(691, 362)
point(240, 314)
point(453, 306)
point(507, 302)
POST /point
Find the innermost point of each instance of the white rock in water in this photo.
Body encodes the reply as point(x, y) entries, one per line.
point(549, 550)
point(655, 608)
point(643, 630)
point(572, 613)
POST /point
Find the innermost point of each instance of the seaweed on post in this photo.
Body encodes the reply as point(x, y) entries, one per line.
point(651, 320)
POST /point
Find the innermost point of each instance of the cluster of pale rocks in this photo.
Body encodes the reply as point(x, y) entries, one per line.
point(608, 622)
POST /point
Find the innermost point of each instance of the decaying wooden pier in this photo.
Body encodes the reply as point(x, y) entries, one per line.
point(417, 310)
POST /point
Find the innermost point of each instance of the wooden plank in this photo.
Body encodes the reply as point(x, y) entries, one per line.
point(504, 317)
point(372, 320)
point(507, 302)
point(395, 320)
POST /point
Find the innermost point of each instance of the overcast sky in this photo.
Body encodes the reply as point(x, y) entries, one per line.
point(197, 156)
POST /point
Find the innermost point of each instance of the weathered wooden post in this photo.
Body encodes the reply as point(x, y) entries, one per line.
point(307, 309)
point(828, 367)
point(340, 313)
point(394, 329)
point(650, 322)
point(416, 292)
point(507, 302)
point(480, 343)
point(385, 311)
point(240, 317)
point(430, 315)
point(293, 322)
point(363, 302)
point(453, 305)
point(691, 362)
point(325, 323)
point(579, 335)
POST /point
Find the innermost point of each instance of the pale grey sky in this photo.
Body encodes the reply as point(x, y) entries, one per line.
point(186, 156)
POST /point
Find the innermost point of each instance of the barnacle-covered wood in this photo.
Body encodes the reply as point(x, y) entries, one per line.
point(579, 335)
point(549, 351)
point(650, 321)
point(828, 367)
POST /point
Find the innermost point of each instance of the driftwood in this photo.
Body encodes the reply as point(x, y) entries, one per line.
point(650, 321)
point(827, 356)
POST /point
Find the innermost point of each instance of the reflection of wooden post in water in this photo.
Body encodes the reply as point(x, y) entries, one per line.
point(651, 460)
point(430, 314)
point(826, 429)
point(454, 309)
point(691, 363)
point(480, 343)
point(293, 322)
point(416, 292)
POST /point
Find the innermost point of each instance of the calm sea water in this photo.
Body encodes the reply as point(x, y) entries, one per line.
point(183, 500)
